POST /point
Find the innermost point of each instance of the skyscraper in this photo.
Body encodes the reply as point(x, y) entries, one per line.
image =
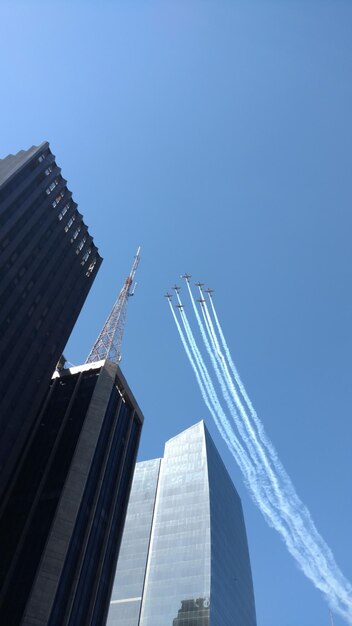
point(184, 558)
point(61, 535)
point(48, 262)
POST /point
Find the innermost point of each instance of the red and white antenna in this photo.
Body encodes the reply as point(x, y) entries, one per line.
point(108, 344)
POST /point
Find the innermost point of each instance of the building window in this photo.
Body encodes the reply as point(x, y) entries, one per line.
point(75, 234)
point(85, 256)
point(52, 186)
point(91, 267)
point(41, 158)
point(80, 245)
point(64, 211)
point(48, 170)
point(58, 198)
point(69, 223)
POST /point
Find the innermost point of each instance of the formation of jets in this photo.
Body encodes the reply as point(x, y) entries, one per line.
point(177, 289)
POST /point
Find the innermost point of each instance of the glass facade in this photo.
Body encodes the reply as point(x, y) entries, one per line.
point(130, 572)
point(184, 556)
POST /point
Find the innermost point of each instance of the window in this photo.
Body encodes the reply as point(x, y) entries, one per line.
point(64, 211)
point(58, 198)
point(91, 267)
point(48, 170)
point(75, 234)
point(52, 186)
point(41, 158)
point(85, 256)
point(69, 223)
point(80, 245)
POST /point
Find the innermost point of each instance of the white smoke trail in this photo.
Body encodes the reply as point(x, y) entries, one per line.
point(257, 487)
point(208, 393)
point(222, 381)
point(271, 489)
point(250, 434)
point(276, 498)
point(289, 504)
point(314, 556)
point(260, 428)
point(263, 462)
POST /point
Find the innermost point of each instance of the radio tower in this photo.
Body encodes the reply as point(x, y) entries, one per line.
point(108, 344)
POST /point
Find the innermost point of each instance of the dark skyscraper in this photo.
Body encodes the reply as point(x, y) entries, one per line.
point(48, 262)
point(62, 519)
point(61, 536)
point(184, 558)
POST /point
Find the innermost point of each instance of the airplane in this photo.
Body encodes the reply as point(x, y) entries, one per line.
point(199, 284)
point(186, 276)
point(209, 291)
point(179, 306)
point(201, 301)
point(176, 288)
point(168, 296)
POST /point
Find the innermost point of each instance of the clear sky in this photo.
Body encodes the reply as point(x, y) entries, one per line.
point(216, 134)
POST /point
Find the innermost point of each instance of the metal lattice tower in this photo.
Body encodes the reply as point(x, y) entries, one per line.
point(108, 344)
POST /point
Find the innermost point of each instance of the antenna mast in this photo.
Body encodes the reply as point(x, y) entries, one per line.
point(108, 344)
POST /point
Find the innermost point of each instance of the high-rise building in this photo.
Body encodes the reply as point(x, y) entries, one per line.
point(48, 262)
point(62, 532)
point(184, 557)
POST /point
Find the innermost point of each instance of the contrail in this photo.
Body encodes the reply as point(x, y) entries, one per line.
point(222, 381)
point(209, 393)
point(296, 515)
point(257, 486)
point(268, 482)
point(260, 428)
point(257, 450)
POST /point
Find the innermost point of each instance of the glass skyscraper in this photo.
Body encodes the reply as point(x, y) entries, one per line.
point(184, 557)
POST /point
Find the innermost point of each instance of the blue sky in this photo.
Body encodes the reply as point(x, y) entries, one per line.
point(217, 135)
